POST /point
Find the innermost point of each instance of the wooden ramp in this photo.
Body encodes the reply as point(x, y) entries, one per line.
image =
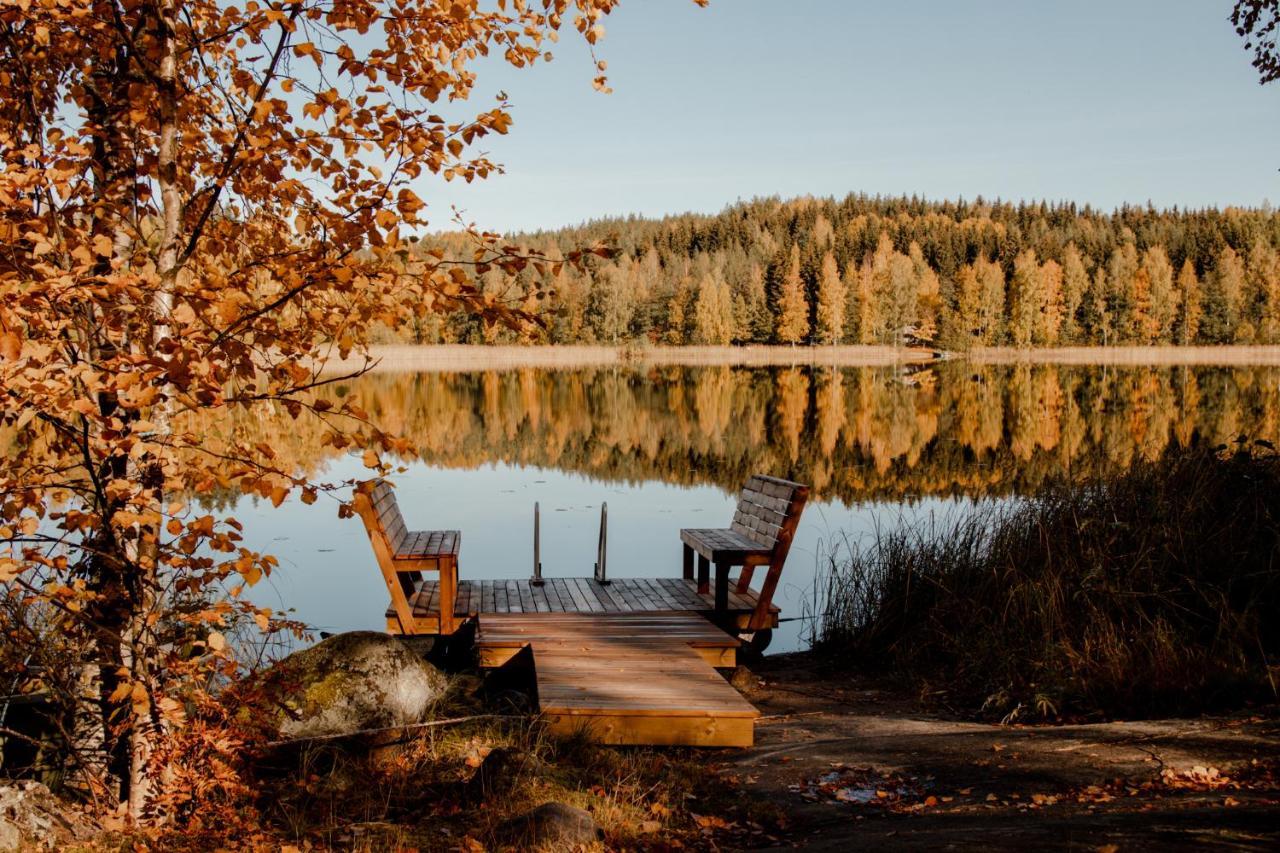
point(626, 678)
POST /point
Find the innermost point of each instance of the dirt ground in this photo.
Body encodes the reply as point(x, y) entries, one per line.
point(845, 764)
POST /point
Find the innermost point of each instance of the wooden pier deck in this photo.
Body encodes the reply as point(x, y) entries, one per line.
point(576, 595)
point(626, 678)
point(631, 661)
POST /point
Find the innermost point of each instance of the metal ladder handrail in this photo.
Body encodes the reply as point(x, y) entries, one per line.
point(537, 580)
point(602, 547)
point(602, 577)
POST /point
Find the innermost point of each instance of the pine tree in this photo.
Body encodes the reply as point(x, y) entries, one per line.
point(793, 304)
point(928, 297)
point(1075, 282)
point(1141, 329)
point(1188, 325)
point(1122, 269)
point(831, 302)
point(964, 326)
point(760, 321)
point(713, 312)
point(864, 315)
point(1263, 291)
point(675, 316)
point(1049, 322)
point(1024, 298)
point(991, 294)
point(1163, 296)
point(887, 316)
point(1096, 319)
point(1223, 294)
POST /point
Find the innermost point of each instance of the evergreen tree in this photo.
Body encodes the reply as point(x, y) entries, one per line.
point(991, 294)
point(609, 307)
point(1262, 283)
point(864, 315)
point(928, 294)
point(1049, 322)
point(1163, 296)
point(793, 305)
point(1096, 320)
point(1188, 325)
point(713, 312)
point(831, 302)
point(1024, 298)
point(676, 316)
point(1122, 270)
point(964, 326)
point(1223, 296)
point(1075, 282)
point(760, 321)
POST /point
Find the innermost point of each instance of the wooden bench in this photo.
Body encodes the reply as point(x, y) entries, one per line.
point(760, 535)
point(404, 554)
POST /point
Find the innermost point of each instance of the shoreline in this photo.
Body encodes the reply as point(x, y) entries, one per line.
point(448, 358)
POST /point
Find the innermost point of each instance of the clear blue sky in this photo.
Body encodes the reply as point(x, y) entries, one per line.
point(1093, 101)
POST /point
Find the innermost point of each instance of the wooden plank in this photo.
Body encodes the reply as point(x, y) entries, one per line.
point(526, 597)
point(553, 597)
point(513, 597)
point(614, 602)
point(569, 588)
point(588, 590)
point(622, 587)
point(540, 601)
point(621, 730)
point(657, 589)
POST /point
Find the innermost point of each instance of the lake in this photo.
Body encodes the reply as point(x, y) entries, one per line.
point(669, 447)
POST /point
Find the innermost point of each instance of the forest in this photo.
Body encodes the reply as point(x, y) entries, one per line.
point(871, 270)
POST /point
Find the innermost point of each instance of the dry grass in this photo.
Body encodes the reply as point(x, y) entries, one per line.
point(418, 792)
point(1150, 593)
point(1153, 356)
point(460, 358)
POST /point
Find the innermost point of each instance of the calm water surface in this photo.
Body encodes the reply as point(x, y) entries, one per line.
point(669, 448)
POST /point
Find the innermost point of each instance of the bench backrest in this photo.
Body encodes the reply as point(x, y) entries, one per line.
point(381, 514)
point(768, 511)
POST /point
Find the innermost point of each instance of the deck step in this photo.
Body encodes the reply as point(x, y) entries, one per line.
point(627, 678)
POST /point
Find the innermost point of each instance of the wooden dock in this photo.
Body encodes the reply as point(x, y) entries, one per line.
point(576, 595)
point(629, 661)
point(626, 678)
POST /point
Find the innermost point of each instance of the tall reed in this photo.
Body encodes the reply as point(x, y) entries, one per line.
point(1156, 591)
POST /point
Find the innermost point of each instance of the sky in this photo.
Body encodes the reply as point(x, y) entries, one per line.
point(1104, 103)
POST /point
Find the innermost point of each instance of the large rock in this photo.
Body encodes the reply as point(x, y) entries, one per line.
point(350, 683)
point(32, 818)
point(552, 826)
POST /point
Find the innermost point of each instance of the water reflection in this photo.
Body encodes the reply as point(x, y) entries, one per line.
point(668, 447)
point(854, 434)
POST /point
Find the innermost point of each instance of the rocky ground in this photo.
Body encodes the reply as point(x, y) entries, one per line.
point(840, 763)
point(844, 762)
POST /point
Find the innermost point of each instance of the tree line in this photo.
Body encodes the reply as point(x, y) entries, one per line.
point(872, 270)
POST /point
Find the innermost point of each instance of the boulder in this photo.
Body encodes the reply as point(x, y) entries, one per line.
point(552, 826)
point(32, 818)
point(350, 683)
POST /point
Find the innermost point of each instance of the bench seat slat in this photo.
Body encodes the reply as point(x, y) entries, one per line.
point(428, 544)
point(722, 544)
